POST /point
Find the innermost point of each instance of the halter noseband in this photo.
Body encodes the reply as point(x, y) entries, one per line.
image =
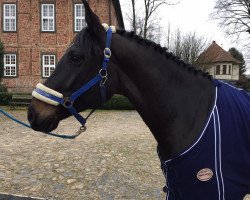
point(55, 98)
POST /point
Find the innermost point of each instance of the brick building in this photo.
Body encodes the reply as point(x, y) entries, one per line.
point(35, 34)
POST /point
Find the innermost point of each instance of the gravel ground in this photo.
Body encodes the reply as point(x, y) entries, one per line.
point(115, 159)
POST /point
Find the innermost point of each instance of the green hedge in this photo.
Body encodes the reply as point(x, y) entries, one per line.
point(118, 102)
point(5, 98)
point(3, 88)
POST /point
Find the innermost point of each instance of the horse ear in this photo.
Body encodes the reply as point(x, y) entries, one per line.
point(92, 20)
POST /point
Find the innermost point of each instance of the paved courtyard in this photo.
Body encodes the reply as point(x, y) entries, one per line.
point(115, 159)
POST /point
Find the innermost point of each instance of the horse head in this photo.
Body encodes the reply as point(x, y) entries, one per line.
point(80, 63)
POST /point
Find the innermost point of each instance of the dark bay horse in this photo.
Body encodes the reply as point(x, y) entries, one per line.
point(197, 126)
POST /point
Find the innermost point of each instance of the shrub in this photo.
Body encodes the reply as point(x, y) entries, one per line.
point(1, 59)
point(3, 88)
point(118, 102)
point(5, 98)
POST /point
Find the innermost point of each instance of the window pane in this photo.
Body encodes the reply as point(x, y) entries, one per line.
point(78, 24)
point(6, 24)
point(46, 60)
point(218, 69)
point(52, 69)
point(7, 71)
point(45, 10)
point(51, 10)
point(79, 10)
point(52, 60)
point(12, 24)
point(13, 59)
point(13, 71)
point(7, 10)
point(7, 59)
point(224, 69)
point(46, 71)
point(51, 24)
point(13, 10)
point(45, 24)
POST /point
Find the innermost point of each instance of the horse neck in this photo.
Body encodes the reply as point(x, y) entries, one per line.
point(172, 100)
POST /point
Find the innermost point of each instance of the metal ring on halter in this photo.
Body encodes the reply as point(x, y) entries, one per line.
point(68, 102)
point(103, 73)
point(107, 52)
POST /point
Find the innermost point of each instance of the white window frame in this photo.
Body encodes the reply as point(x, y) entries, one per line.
point(11, 66)
point(80, 18)
point(49, 18)
point(49, 67)
point(9, 18)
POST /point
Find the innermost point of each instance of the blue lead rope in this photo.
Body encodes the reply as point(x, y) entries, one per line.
point(28, 126)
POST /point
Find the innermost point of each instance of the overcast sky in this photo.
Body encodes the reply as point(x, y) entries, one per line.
point(192, 15)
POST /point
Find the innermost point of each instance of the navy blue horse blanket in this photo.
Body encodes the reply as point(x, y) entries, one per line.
point(217, 165)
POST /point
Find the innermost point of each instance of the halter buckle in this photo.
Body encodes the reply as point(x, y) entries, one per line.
point(68, 102)
point(107, 52)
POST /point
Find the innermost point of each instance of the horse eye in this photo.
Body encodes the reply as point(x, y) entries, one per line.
point(76, 59)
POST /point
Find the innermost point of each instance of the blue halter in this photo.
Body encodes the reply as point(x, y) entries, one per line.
point(100, 78)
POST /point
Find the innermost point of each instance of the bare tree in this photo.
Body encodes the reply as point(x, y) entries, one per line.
point(188, 46)
point(150, 7)
point(233, 16)
point(143, 18)
point(134, 16)
point(176, 46)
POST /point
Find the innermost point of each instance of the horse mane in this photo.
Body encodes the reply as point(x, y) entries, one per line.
point(164, 51)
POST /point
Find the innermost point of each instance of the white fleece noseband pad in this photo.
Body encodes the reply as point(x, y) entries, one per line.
point(106, 27)
point(49, 91)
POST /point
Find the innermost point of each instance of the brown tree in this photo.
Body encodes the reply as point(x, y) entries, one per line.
point(233, 16)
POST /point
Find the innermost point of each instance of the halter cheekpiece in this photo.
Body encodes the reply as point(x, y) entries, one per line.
point(55, 98)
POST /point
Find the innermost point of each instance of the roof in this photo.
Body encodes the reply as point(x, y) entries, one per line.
point(118, 11)
point(214, 54)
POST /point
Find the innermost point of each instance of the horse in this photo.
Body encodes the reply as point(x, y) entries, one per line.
point(201, 125)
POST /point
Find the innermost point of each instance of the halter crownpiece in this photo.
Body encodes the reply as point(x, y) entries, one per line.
point(106, 27)
point(55, 98)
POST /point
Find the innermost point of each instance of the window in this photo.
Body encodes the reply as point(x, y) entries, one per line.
point(48, 17)
point(218, 69)
point(79, 17)
point(48, 65)
point(224, 69)
point(229, 70)
point(10, 65)
point(9, 17)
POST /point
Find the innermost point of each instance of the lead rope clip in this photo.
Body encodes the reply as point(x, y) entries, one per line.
point(81, 130)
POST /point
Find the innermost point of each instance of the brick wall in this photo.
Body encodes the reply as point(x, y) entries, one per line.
point(29, 43)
